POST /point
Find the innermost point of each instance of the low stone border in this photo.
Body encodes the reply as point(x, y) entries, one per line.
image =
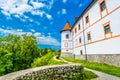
point(57, 72)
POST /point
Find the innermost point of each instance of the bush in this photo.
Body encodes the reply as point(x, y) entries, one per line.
point(44, 60)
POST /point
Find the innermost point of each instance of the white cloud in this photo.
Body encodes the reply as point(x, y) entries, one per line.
point(64, 11)
point(40, 13)
point(50, 4)
point(15, 32)
point(37, 5)
point(48, 40)
point(5, 13)
point(49, 34)
point(64, 1)
point(19, 7)
point(32, 30)
point(30, 20)
point(17, 16)
point(37, 34)
point(41, 38)
point(19, 30)
point(26, 17)
point(49, 16)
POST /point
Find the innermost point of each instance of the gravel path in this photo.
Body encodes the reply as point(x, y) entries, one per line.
point(101, 75)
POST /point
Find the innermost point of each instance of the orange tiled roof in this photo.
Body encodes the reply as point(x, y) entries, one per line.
point(67, 27)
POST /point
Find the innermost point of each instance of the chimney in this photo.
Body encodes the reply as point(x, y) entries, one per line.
point(76, 19)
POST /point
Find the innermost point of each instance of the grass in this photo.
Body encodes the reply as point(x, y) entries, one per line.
point(109, 69)
point(89, 75)
point(54, 61)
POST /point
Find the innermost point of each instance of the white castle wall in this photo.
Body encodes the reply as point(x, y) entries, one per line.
point(68, 48)
point(99, 45)
point(104, 48)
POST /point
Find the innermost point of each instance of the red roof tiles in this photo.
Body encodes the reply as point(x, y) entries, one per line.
point(66, 27)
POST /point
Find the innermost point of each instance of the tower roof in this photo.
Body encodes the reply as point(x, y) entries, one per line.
point(66, 27)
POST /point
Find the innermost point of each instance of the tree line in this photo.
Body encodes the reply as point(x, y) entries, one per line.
point(19, 52)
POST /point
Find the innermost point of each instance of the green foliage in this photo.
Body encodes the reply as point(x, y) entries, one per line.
point(113, 70)
point(44, 60)
point(22, 52)
point(58, 53)
point(55, 61)
point(48, 58)
point(5, 61)
point(17, 52)
point(89, 75)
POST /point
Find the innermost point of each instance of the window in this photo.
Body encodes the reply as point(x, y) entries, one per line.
point(75, 30)
point(107, 29)
point(89, 36)
point(78, 26)
point(66, 44)
point(81, 53)
point(80, 40)
point(102, 6)
point(87, 19)
point(67, 36)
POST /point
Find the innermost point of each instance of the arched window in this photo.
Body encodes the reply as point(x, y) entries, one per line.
point(67, 36)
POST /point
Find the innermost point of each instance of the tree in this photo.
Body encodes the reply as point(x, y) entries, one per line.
point(18, 52)
point(5, 61)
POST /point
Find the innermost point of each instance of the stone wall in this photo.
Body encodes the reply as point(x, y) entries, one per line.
point(58, 72)
point(66, 55)
point(112, 59)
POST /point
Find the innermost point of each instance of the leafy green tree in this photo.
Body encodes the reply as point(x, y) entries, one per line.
point(23, 49)
point(5, 61)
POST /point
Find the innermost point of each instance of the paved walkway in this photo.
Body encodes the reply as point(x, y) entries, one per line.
point(101, 75)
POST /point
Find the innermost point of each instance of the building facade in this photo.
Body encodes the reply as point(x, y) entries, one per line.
point(95, 35)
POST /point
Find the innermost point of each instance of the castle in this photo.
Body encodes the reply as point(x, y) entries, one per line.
point(95, 35)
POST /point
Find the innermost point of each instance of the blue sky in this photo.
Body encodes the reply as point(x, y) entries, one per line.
point(42, 18)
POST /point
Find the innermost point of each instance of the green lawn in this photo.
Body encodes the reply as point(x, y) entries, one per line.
point(113, 70)
point(54, 61)
point(90, 75)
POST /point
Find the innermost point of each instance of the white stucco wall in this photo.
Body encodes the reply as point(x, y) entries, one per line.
point(105, 46)
point(64, 41)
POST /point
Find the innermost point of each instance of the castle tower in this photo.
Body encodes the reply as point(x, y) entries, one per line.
point(66, 39)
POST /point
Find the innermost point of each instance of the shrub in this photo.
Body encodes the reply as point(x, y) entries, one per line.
point(44, 60)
